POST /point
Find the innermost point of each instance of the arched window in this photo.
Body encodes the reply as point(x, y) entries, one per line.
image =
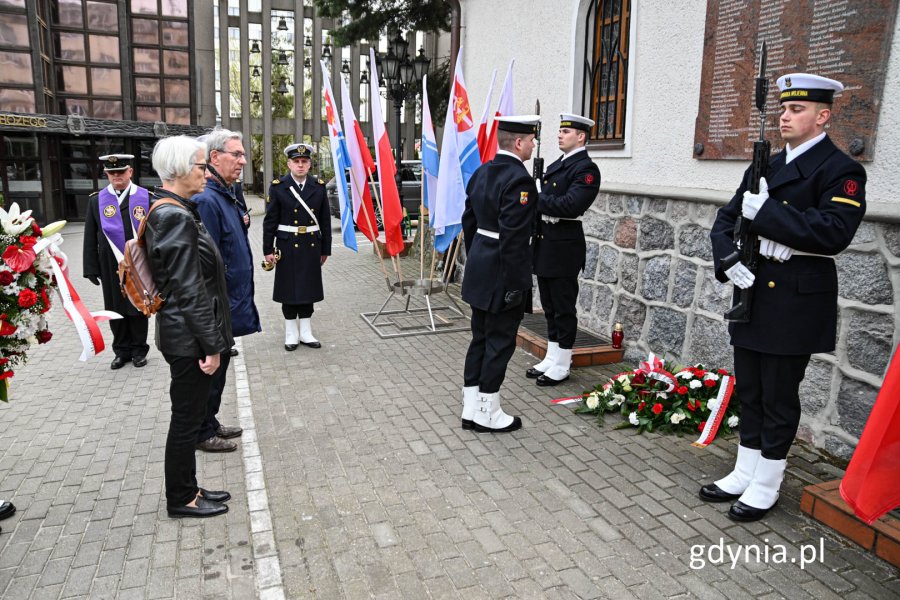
point(605, 76)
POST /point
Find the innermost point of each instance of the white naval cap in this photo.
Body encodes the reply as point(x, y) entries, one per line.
point(116, 162)
point(808, 88)
point(575, 122)
point(299, 151)
point(519, 123)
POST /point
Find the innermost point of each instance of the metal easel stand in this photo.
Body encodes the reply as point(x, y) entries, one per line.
point(418, 320)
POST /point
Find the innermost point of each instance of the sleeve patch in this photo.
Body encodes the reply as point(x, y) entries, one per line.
point(589, 179)
point(851, 187)
point(523, 198)
point(846, 200)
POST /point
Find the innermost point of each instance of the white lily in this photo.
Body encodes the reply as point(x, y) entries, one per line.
point(14, 222)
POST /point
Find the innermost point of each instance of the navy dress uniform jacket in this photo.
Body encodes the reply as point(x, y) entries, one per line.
point(223, 217)
point(501, 197)
point(569, 188)
point(816, 202)
point(99, 259)
point(298, 275)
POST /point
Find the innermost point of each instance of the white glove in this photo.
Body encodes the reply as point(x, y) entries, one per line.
point(740, 276)
point(774, 250)
point(753, 202)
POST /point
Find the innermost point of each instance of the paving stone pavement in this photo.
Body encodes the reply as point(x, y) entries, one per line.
point(354, 480)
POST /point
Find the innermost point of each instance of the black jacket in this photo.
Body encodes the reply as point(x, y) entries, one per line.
point(569, 188)
point(501, 197)
point(195, 320)
point(816, 202)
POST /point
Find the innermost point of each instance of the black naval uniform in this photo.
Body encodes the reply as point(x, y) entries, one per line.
point(298, 275)
point(500, 199)
point(569, 188)
point(129, 332)
point(816, 202)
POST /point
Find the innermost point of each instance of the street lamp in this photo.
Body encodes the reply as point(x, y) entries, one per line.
point(401, 80)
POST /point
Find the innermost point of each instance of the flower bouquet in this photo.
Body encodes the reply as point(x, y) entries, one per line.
point(692, 399)
point(26, 280)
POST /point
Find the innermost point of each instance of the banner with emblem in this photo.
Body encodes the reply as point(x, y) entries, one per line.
point(111, 220)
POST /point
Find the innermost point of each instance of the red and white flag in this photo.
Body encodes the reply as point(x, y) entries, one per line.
point(361, 165)
point(390, 197)
point(870, 484)
point(505, 107)
point(485, 118)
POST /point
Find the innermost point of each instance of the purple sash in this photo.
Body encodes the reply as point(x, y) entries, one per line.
point(111, 221)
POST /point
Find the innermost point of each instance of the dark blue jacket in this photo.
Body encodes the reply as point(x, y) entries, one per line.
point(223, 219)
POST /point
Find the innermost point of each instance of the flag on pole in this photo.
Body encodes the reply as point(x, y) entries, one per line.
point(341, 160)
point(363, 211)
point(390, 198)
point(870, 485)
point(485, 117)
point(459, 159)
point(505, 107)
point(430, 157)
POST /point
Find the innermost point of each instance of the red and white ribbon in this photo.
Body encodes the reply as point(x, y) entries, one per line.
point(564, 401)
point(726, 387)
point(85, 321)
point(653, 368)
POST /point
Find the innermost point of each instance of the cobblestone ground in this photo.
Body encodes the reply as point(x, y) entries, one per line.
point(354, 480)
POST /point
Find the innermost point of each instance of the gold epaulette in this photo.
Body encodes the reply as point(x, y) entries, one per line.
point(321, 182)
point(276, 181)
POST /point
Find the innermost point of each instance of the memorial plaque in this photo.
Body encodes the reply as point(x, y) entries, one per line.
point(847, 40)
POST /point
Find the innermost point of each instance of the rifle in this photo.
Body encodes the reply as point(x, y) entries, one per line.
point(748, 243)
point(538, 164)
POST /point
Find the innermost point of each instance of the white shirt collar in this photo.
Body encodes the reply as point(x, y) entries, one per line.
point(792, 153)
point(575, 151)
point(119, 196)
point(508, 153)
point(298, 182)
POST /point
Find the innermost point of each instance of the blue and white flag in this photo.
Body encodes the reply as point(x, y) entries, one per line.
point(341, 158)
point(430, 157)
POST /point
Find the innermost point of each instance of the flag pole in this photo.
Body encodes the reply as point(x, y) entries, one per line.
point(422, 231)
point(394, 260)
point(449, 270)
point(374, 231)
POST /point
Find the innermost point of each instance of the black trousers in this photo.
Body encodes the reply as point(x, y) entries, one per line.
point(559, 296)
point(297, 311)
point(493, 343)
point(768, 386)
point(214, 399)
point(188, 391)
point(130, 336)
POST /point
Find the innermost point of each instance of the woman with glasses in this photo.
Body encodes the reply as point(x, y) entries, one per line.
point(193, 328)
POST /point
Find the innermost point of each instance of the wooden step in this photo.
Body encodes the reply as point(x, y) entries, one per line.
point(588, 350)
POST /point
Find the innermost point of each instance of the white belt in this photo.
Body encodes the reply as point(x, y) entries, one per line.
point(490, 234)
point(801, 253)
point(554, 220)
point(298, 229)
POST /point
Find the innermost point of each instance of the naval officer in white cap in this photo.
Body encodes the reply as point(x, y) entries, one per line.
point(807, 211)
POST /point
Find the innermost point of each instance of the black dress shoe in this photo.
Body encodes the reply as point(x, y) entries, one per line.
point(216, 444)
point(220, 497)
point(746, 513)
point(226, 432)
point(139, 361)
point(204, 508)
point(290, 347)
point(468, 424)
point(533, 373)
point(118, 362)
point(516, 424)
point(545, 381)
point(311, 344)
point(713, 493)
point(7, 509)
point(233, 352)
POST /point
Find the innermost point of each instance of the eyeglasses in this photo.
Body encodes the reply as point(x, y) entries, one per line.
point(201, 165)
point(236, 153)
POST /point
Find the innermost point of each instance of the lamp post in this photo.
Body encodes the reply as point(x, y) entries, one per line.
point(402, 78)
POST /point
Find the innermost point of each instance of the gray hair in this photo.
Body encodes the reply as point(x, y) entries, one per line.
point(173, 157)
point(218, 137)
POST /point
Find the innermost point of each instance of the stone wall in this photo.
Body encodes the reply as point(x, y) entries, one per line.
point(649, 266)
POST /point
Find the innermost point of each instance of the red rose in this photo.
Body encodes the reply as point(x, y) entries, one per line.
point(6, 278)
point(27, 298)
point(701, 426)
point(682, 389)
point(641, 406)
point(43, 336)
point(692, 406)
point(722, 372)
point(657, 408)
point(699, 372)
point(45, 299)
point(639, 378)
point(709, 383)
point(27, 241)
